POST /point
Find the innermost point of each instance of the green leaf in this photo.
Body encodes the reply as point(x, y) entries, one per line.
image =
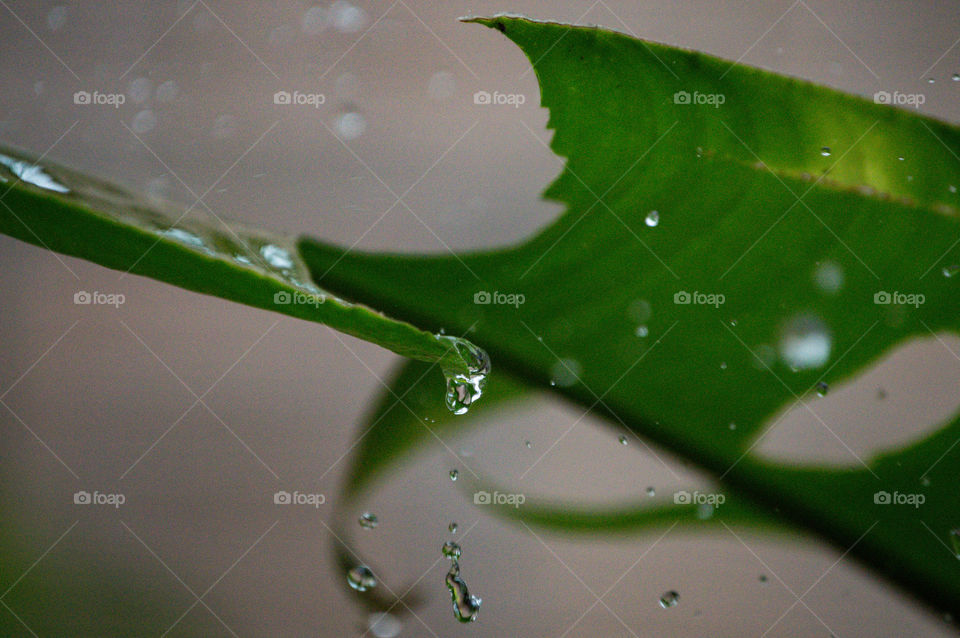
point(750, 203)
point(64, 211)
point(754, 191)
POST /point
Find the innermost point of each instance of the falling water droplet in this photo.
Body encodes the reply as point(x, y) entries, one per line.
point(528, 444)
point(368, 520)
point(451, 550)
point(463, 390)
point(642, 331)
point(623, 440)
point(822, 388)
point(732, 426)
point(723, 365)
point(452, 527)
point(652, 219)
point(762, 578)
point(361, 578)
point(825, 151)
point(669, 599)
point(805, 343)
point(955, 77)
point(930, 80)
point(465, 606)
point(454, 475)
point(952, 188)
point(651, 491)
point(384, 625)
point(950, 271)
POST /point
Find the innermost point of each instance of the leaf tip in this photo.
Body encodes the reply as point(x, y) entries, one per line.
point(495, 22)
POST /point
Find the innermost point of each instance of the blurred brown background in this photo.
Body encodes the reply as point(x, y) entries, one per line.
point(89, 407)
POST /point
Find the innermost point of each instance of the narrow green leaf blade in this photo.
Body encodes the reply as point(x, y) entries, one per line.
point(63, 211)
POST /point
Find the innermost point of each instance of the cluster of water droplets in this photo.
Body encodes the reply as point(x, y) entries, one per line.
point(361, 577)
point(463, 390)
point(465, 605)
